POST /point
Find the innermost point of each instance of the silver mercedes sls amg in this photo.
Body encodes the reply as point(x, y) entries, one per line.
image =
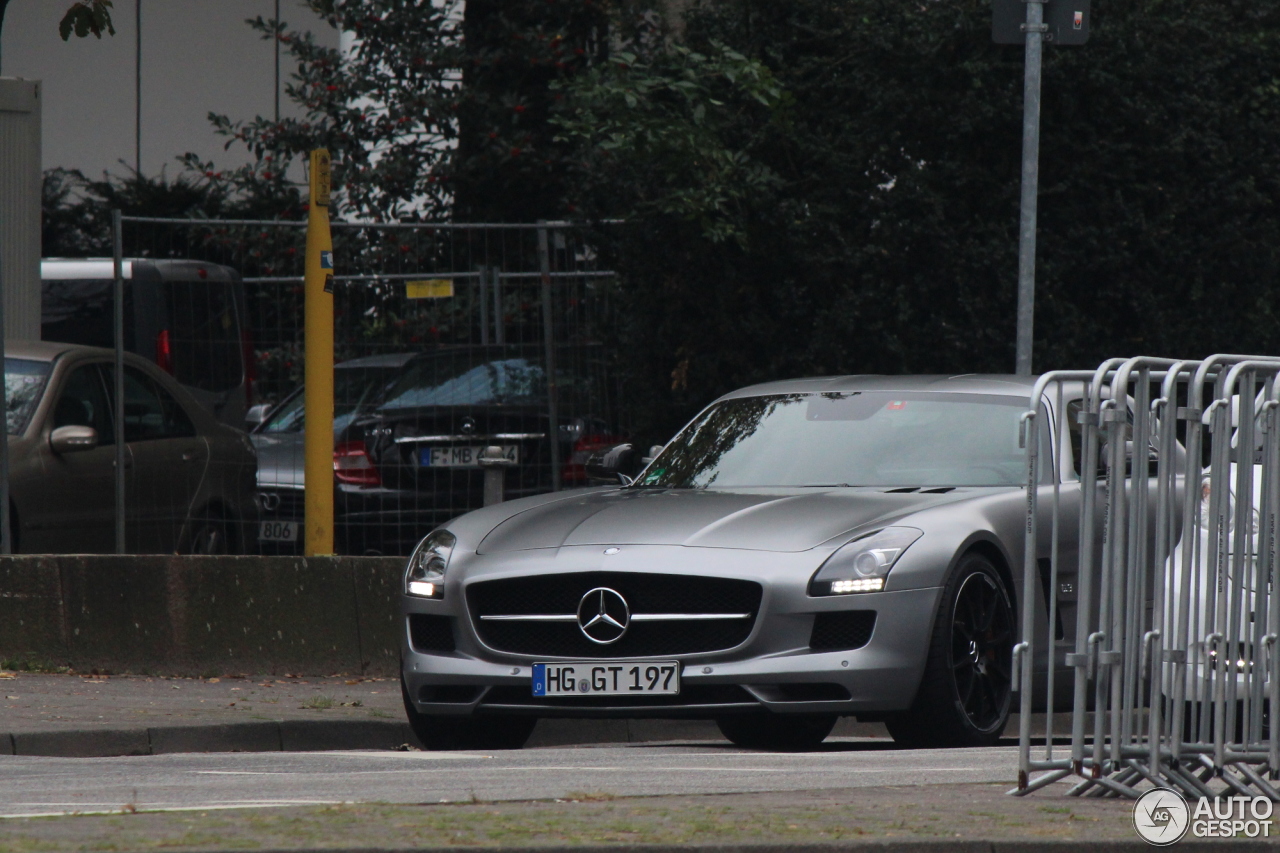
point(800, 551)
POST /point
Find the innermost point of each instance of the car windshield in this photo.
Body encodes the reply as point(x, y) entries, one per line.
point(466, 380)
point(352, 387)
point(847, 439)
point(24, 382)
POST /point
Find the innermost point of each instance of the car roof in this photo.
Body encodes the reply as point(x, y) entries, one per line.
point(47, 350)
point(998, 384)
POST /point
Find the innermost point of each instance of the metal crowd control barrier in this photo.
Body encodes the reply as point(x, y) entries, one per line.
point(1159, 530)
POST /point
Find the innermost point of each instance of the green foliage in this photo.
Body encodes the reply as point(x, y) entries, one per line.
point(435, 110)
point(886, 239)
point(87, 17)
point(671, 133)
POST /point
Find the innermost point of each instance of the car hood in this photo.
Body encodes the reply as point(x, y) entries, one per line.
point(752, 519)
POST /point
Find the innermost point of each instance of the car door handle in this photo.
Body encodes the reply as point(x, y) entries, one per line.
point(190, 455)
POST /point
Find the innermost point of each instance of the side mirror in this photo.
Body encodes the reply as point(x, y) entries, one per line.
point(653, 454)
point(256, 415)
point(606, 467)
point(1153, 457)
point(71, 439)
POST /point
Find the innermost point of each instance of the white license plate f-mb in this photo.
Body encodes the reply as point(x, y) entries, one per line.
point(613, 678)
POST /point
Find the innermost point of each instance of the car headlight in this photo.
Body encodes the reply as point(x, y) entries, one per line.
point(863, 564)
point(424, 576)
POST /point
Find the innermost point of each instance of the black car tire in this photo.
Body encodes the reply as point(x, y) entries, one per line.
point(458, 732)
point(211, 536)
point(964, 695)
point(777, 732)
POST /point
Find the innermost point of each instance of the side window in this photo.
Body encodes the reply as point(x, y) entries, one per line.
point(1076, 430)
point(83, 402)
point(177, 423)
point(150, 413)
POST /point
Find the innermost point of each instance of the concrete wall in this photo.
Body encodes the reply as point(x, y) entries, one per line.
point(202, 615)
point(20, 111)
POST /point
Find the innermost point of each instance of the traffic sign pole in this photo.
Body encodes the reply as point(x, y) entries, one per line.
point(317, 448)
point(1035, 30)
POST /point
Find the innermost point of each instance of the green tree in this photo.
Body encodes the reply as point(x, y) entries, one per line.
point(885, 242)
point(435, 108)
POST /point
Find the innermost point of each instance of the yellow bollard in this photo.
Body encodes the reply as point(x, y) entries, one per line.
point(318, 367)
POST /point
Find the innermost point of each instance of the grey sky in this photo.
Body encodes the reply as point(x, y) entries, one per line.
point(198, 56)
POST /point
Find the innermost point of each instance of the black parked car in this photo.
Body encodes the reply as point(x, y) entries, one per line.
point(411, 462)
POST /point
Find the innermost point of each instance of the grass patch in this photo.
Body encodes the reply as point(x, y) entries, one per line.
point(318, 703)
point(32, 663)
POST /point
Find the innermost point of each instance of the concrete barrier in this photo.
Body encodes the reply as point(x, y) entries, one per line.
point(202, 615)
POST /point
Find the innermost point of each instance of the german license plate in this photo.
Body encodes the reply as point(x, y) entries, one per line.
point(612, 678)
point(278, 531)
point(460, 457)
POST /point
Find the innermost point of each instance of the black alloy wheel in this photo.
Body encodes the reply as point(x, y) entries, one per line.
point(964, 695)
point(211, 537)
point(981, 649)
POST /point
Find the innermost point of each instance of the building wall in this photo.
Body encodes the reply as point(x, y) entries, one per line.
point(198, 56)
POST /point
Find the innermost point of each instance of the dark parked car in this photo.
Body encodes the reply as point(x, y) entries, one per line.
point(279, 438)
point(412, 461)
point(189, 484)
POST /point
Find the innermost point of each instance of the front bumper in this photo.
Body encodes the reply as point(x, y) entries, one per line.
point(775, 669)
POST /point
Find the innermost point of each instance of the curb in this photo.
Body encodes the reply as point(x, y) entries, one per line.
point(287, 735)
point(321, 735)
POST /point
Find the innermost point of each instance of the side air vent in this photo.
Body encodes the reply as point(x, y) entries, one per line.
point(429, 633)
point(842, 630)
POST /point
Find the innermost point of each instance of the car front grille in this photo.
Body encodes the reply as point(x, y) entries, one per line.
point(842, 630)
point(729, 608)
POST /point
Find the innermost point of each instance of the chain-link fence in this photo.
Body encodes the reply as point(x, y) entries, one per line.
point(448, 338)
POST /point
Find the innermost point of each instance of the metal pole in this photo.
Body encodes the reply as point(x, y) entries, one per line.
point(1035, 30)
point(317, 439)
point(137, 88)
point(277, 46)
point(117, 229)
point(548, 336)
point(6, 535)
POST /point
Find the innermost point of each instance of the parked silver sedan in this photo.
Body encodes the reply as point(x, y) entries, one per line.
point(800, 551)
point(189, 480)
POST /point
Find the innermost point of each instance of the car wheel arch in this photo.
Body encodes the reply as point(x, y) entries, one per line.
point(993, 550)
point(214, 509)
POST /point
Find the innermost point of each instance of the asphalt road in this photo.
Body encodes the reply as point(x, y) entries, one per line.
point(51, 786)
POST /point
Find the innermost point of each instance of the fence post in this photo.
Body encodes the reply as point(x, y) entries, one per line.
point(548, 334)
point(318, 365)
point(495, 467)
point(117, 240)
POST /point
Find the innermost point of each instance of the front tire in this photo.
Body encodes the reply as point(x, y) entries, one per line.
point(777, 732)
point(450, 732)
point(964, 695)
point(212, 536)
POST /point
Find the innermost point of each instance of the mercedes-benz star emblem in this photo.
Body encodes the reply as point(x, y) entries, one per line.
point(603, 616)
point(468, 426)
